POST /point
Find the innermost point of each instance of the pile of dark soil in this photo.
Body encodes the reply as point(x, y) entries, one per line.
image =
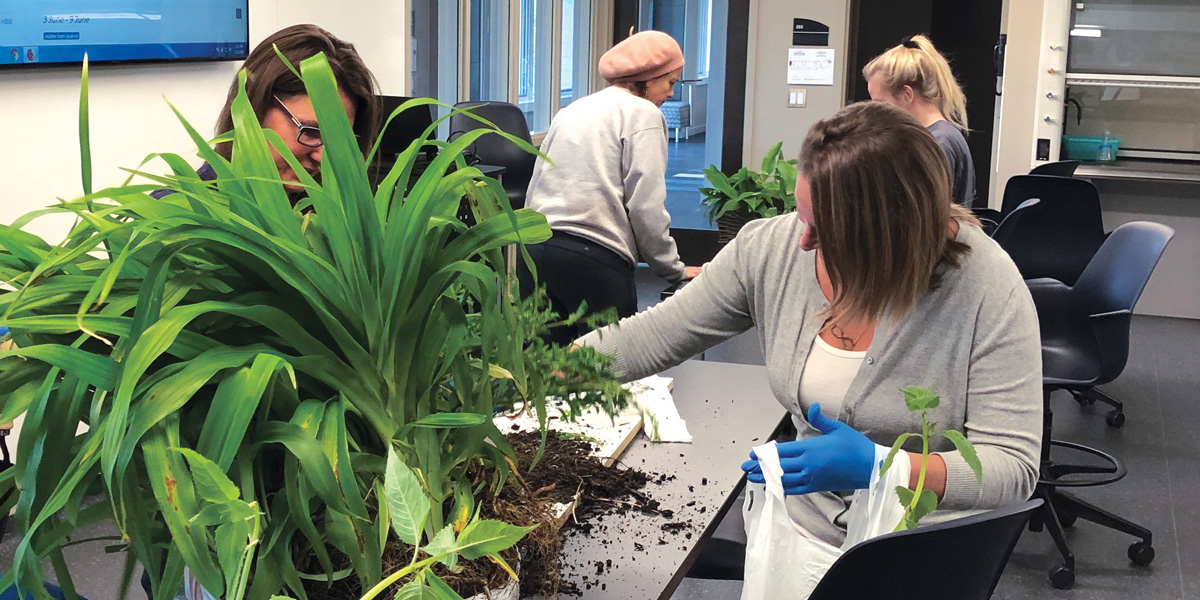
point(566, 473)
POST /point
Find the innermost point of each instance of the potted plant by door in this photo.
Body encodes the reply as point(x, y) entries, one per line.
point(748, 194)
point(273, 393)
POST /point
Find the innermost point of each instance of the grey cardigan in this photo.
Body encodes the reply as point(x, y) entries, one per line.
point(974, 339)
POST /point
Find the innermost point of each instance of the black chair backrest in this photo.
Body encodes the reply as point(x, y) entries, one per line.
point(1062, 168)
point(960, 559)
point(1113, 281)
point(1057, 237)
point(1008, 224)
point(1020, 188)
point(408, 125)
point(495, 150)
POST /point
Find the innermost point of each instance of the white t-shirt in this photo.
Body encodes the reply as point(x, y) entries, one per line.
point(827, 375)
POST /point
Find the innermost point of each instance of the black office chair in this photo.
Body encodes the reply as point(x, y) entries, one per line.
point(1002, 226)
point(495, 150)
point(1020, 188)
point(1062, 168)
point(1085, 343)
point(960, 559)
point(1057, 237)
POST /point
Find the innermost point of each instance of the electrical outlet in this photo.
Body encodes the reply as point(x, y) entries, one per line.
point(797, 97)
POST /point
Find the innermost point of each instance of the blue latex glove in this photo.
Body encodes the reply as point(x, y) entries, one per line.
point(3, 331)
point(840, 459)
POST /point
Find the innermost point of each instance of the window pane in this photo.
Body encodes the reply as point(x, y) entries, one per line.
point(535, 62)
point(435, 49)
point(576, 50)
point(489, 50)
point(705, 46)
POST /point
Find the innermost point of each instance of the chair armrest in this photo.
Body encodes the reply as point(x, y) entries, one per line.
point(1112, 337)
point(1051, 298)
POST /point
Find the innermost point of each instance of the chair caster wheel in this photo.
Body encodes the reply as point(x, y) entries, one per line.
point(1141, 553)
point(1062, 578)
point(1115, 419)
point(1067, 520)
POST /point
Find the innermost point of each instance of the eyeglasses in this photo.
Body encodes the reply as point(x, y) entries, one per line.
point(308, 135)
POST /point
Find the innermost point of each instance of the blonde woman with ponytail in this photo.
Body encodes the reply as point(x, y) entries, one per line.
point(916, 78)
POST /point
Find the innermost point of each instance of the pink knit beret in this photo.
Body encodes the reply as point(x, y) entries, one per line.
point(641, 57)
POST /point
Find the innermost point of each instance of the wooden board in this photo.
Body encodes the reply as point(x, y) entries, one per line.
point(611, 436)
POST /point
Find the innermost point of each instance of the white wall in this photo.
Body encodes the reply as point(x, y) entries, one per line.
point(39, 158)
point(1032, 27)
point(768, 118)
point(1174, 289)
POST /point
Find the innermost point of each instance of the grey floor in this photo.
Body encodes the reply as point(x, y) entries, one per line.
point(1160, 443)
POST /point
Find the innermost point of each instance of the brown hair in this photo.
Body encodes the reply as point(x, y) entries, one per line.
point(637, 87)
point(267, 77)
point(917, 64)
point(881, 199)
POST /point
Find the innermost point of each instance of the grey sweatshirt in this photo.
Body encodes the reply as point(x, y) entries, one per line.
point(607, 182)
point(974, 339)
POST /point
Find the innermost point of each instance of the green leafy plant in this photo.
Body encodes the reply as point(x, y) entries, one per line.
point(750, 194)
point(247, 367)
point(920, 502)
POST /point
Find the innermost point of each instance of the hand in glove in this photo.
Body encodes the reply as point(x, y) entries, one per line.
point(3, 331)
point(840, 459)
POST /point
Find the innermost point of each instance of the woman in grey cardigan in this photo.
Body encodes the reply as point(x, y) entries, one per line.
point(878, 282)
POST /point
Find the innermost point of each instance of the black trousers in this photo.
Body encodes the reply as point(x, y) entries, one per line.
point(576, 270)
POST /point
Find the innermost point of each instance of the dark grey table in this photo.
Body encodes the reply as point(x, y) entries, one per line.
point(729, 409)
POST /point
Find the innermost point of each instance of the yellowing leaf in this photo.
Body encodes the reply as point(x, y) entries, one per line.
point(482, 538)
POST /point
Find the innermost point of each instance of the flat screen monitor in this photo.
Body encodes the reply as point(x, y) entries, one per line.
point(56, 32)
point(405, 128)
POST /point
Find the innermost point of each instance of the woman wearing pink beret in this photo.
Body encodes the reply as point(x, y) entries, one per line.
point(604, 186)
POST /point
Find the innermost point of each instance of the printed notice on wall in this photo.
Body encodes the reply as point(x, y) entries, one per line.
point(810, 66)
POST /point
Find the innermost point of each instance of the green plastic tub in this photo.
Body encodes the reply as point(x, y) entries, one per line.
point(1077, 147)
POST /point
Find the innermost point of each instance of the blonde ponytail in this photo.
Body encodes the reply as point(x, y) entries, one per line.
point(917, 64)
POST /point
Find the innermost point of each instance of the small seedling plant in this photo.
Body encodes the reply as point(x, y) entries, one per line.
point(920, 501)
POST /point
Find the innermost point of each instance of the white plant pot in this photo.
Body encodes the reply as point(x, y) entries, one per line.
point(510, 591)
point(193, 591)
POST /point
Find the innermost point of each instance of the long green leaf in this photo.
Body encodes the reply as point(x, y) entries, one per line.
point(967, 451)
point(887, 462)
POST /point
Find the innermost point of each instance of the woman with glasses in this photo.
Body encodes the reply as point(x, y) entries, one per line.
point(282, 105)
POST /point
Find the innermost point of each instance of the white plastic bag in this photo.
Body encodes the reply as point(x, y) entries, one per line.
point(192, 590)
point(784, 561)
